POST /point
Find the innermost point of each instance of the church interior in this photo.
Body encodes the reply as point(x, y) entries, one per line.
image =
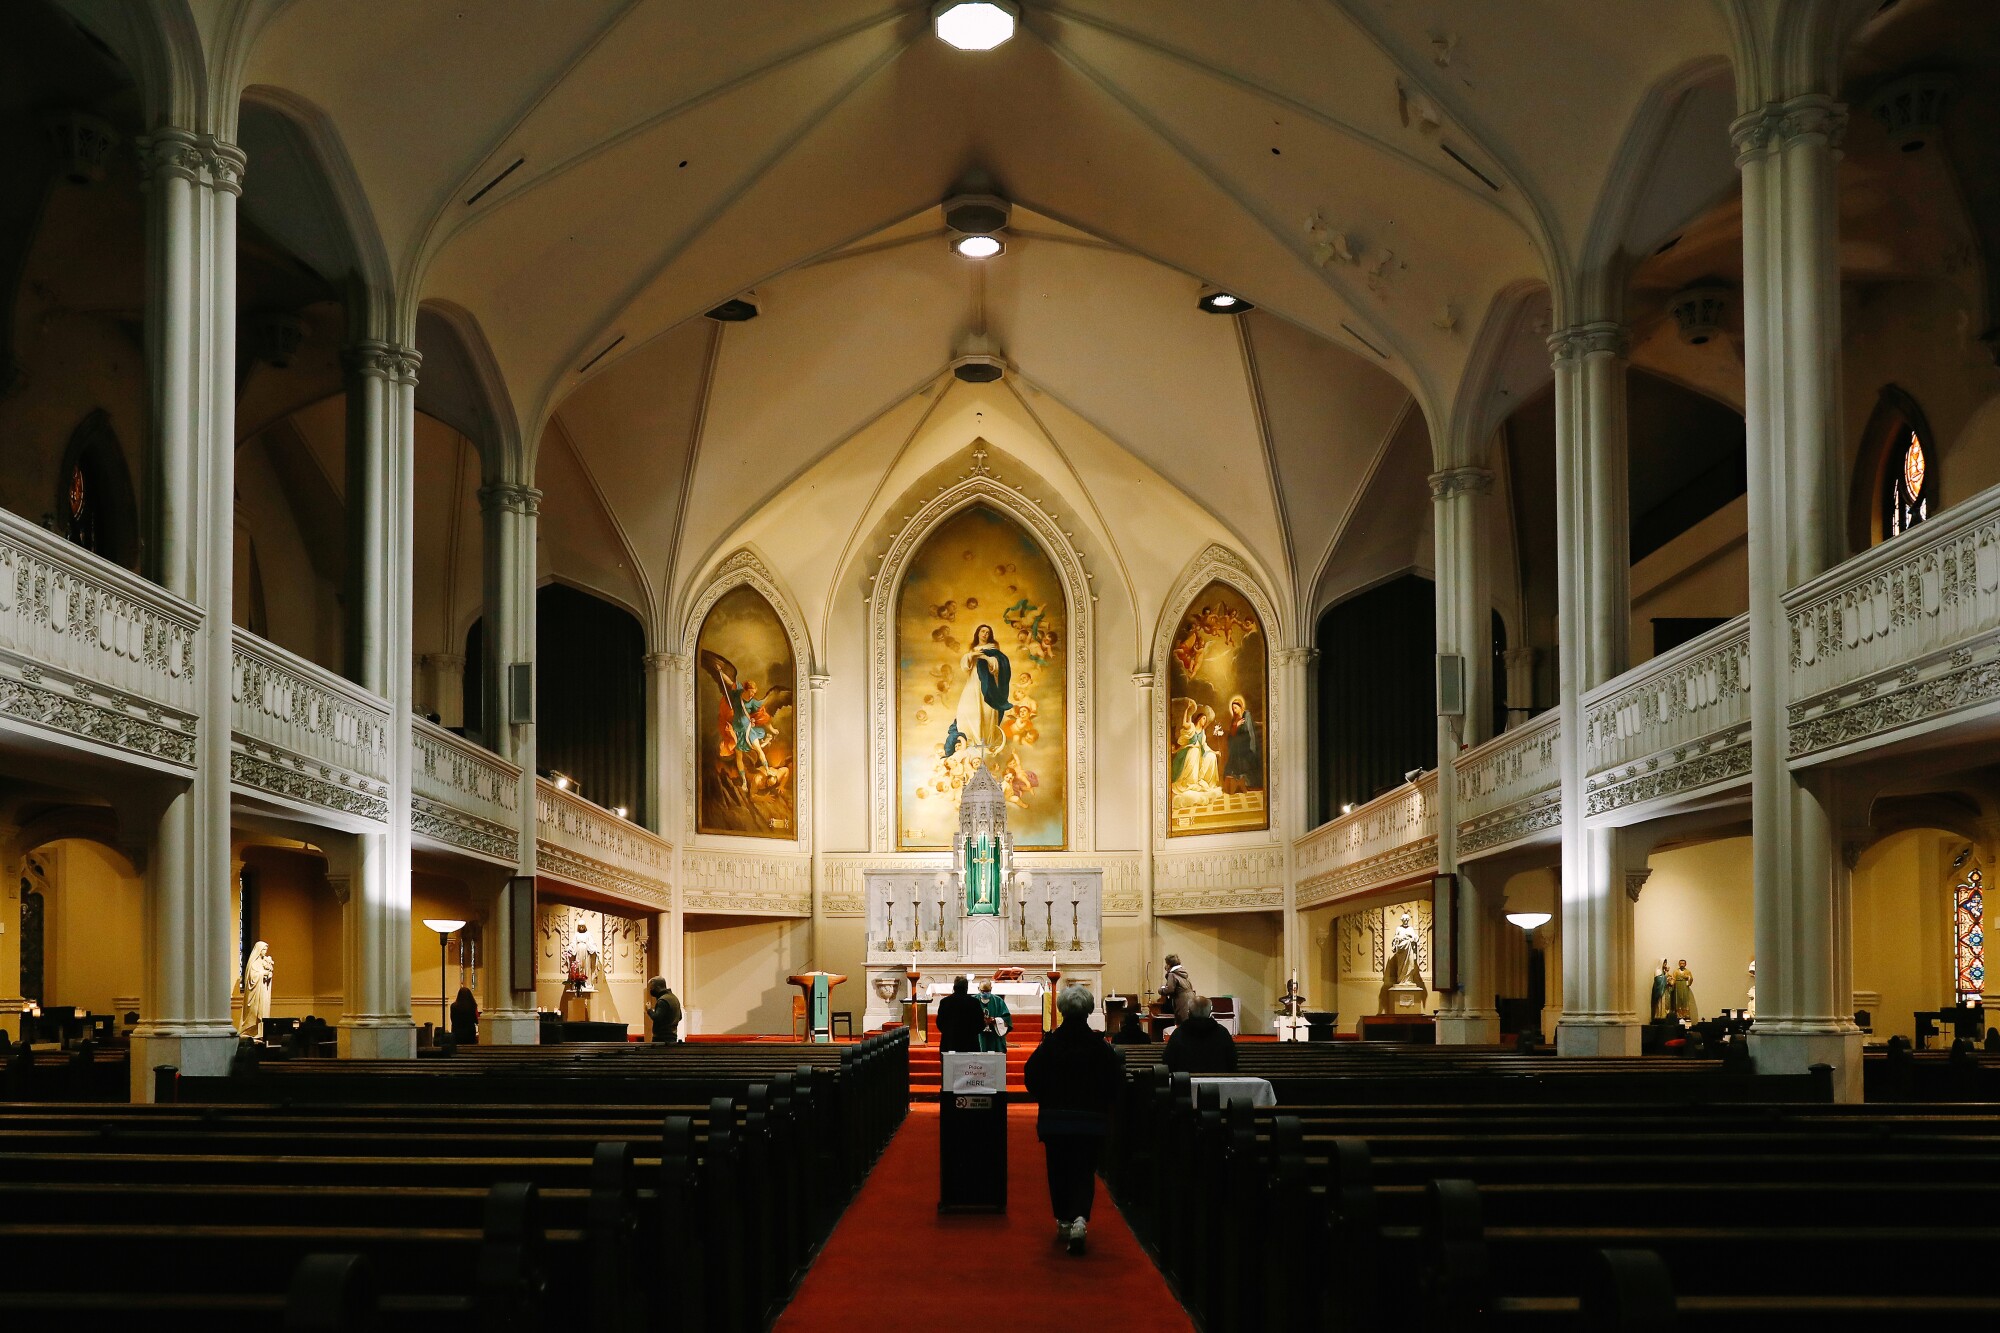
point(1452, 547)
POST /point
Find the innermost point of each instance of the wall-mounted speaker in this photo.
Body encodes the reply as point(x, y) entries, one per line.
point(521, 933)
point(521, 693)
point(1451, 685)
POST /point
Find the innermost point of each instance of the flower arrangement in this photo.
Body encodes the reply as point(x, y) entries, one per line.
point(574, 975)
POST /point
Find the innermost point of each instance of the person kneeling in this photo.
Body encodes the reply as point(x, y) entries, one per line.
point(1074, 1076)
point(1201, 1045)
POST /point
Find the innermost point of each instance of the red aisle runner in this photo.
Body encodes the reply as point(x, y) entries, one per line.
point(894, 1263)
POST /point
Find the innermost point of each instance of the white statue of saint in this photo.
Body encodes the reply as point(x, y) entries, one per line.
point(1403, 944)
point(257, 972)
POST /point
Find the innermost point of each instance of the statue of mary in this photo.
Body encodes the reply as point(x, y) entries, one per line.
point(984, 700)
point(257, 972)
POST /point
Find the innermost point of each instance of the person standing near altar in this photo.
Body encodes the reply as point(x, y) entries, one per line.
point(960, 1018)
point(993, 1037)
point(1178, 990)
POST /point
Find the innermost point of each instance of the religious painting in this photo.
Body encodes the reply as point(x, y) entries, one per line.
point(746, 741)
point(1217, 725)
point(982, 631)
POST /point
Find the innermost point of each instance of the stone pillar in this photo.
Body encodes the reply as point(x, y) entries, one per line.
point(1594, 602)
point(11, 854)
point(1150, 962)
point(1292, 779)
point(659, 753)
point(1519, 687)
point(192, 184)
point(381, 512)
point(816, 683)
point(441, 687)
point(1787, 152)
point(509, 511)
point(1463, 498)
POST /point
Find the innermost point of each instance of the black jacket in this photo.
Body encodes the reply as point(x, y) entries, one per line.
point(666, 1018)
point(960, 1020)
point(1201, 1046)
point(1074, 1075)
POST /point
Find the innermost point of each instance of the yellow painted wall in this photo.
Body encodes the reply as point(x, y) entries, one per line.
point(1705, 571)
point(1237, 953)
point(1697, 905)
point(93, 929)
point(1902, 926)
point(298, 918)
point(736, 970)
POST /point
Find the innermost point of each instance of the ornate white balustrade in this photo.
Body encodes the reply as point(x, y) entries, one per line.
point(304, 736)
point(92, 654)
point(1673, 728)
point(1392, 838)
point(1902, 639)
point(590, 846)
point(462, 796)
point(1510, 788)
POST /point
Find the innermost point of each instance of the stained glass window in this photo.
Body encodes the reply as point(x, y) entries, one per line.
point(1968, 932)
point(1908, 503)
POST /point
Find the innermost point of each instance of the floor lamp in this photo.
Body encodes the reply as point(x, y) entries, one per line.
point(444, 930)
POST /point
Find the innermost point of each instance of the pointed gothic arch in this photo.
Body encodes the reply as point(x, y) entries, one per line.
point(745, 568)
point(979, 486)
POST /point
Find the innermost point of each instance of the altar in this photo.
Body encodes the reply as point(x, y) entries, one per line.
point(979, 915)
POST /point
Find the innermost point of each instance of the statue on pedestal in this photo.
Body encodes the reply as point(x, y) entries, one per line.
point(1663, 993)
point(1402, 977)
point(257, 972)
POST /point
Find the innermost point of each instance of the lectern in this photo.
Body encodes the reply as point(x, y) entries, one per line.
point(818, 990)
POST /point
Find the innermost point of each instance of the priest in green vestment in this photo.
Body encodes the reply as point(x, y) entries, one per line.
point(998, 1019)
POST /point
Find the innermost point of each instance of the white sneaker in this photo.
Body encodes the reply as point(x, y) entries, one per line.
point(1076, 1235)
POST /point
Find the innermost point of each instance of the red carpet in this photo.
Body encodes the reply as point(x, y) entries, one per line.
point(884, 1266)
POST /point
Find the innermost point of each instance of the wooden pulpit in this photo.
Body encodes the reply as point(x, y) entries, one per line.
point(817, 988)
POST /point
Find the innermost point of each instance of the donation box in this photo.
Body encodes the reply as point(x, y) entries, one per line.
point(972, 1138)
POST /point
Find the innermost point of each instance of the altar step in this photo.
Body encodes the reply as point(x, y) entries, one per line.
point(927, 1069)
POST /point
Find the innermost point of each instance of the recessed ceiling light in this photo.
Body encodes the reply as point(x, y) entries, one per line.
point(978, 246)
point(1218, 302)
point(974, 25)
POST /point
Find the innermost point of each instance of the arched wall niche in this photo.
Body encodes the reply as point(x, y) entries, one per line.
point(981, 485)
point(745, 568)
point(109, 520)
point(1219, 564)
point(1896, 414)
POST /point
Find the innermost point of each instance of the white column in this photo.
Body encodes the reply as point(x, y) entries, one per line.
point(1462, 498)
point(192, 183)
point(1787, 153)
point(1594, 602)
point(509, 511)
point(11, 999)
point(816, 683)
point(1149, 944)
point(659, 727)
point(1292, 779)
point(381, 500)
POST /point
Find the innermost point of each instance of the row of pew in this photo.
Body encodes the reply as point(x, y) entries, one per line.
point(612, 1190)
point(1556, 1202)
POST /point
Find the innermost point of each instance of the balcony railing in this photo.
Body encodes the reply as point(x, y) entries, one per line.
point(305, 736)
point(1510, 787)
point(92, 652)
point(1392, 838)
point(589, 845)
point(463, 796)
point(1903, 638)
point(1672, 727)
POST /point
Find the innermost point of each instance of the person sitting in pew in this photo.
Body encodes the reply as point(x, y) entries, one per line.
point(1132, 1031)
point(1201, 1045)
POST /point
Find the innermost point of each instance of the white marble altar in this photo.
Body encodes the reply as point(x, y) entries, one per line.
point(979, 914)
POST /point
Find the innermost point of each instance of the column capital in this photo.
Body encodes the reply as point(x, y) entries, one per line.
point(1598, 337)
point(1450, 482)
point(1776, 126)
point(658, 662)
point(509, 497)
point(384, 361)
point(817, 681)
point(1302, 656)
point(1143, 679)
point(200, 159)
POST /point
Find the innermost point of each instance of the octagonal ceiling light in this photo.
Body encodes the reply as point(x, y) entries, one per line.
point(974, 25)
point(1218, 302)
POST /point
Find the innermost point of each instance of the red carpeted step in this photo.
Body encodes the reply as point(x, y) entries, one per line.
point(877, 1270)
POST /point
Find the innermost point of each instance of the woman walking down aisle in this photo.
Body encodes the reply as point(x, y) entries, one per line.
point(1074, 1076)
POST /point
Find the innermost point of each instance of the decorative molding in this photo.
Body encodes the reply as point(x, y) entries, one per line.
point(1512, 824)
point(1713, 762)
point(199, 159)
point(1216, 563)
point(1461, 481)
point(1403, 863)
point(590, 846)
point(151, 733)
point(746, 882)
point(1635, 880)
point(978, 485)
point(294, 778)
point(509, 497)
point(1219, 881)
point(842, 890)
point(1598, 338)
point(372, 359)
point(560, 862)
point(745, 569)
point(1776, 126)
point(441, 823)
point(1930, 690)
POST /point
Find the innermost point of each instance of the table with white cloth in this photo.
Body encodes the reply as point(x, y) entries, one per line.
point(1254, 1091)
